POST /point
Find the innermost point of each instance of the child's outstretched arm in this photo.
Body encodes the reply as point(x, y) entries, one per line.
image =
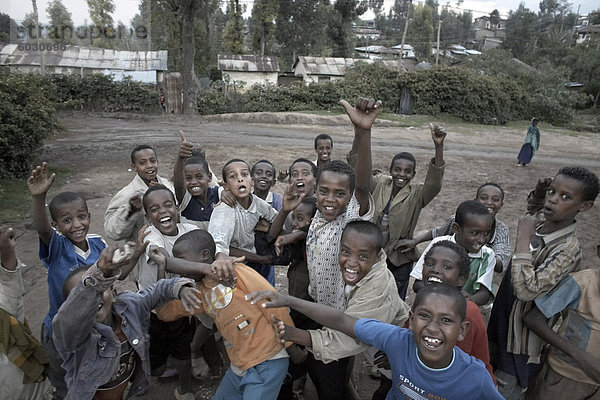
point(185, 151)
point(38, 184)
point(140, 248)
point(324, 315)
point(363, 116)
point(536, 321)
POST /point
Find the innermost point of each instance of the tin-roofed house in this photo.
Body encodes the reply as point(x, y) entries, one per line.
point(322, 69)
point(249, 69)
point(143, 66)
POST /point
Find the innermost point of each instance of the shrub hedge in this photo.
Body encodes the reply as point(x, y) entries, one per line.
point(27, 118)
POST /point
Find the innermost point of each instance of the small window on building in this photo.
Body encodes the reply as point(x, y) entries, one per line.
point(324, 79)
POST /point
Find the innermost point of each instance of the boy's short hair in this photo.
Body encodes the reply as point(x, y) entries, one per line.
point(445, 290)
point(156, 188)
point(61, 199)
point(367, 228)
point(197, 160)
point(196, 241)
point(470, 207)
point(494, 184)
point(198, 151)
point(404, 156)
point(591, 185)
point(231, 162)
point(464, 260)
point(312, 202)
point(262, 161)
point(65, 288)
point(323, 136)
point(339, 167)
point(313, 167)
point(140, 148)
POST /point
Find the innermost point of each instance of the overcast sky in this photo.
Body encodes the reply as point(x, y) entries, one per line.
point(126, 9)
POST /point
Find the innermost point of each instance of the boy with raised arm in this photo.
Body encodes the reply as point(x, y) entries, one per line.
point(398, 204)
point(64, 246)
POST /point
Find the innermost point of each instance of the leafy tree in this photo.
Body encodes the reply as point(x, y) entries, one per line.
point(61, 25)
point(103, 24)
point(494, 18)
point(233, 36)
point(300, 29)
point(340, 25)
point(521, 32)
point(8, 29)
point(421, 31)
point(264, 14)
point(595, 17)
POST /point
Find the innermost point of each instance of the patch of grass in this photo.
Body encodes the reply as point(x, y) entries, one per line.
point(16, 200)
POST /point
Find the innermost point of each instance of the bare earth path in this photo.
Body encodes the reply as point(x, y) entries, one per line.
point(96, 147)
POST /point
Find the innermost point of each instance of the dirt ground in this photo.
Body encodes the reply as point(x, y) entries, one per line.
point(96, 147)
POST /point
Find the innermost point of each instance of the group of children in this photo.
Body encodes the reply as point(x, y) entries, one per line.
point(202, 256)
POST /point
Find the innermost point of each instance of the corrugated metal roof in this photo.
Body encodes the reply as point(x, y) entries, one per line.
point(248, 63)
point(337, 66)
point(87, 57)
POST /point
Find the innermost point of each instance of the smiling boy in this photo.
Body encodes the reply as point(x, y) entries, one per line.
point(323, 147)
point(124, 215)
point(342, 196)
point(172, 338)
point(447, 262)
point(424, 360)
point(64, 246)
point(471, 229)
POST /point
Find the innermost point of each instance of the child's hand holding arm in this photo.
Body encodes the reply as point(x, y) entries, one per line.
point(160, 259)
point(438, 135)
point(286, 333)
point(228, 198)
point(38, 184)
point(190, 299)
point(8, 258)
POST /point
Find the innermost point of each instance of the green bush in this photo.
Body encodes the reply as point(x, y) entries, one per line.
point(102, 93)
point(27, 116)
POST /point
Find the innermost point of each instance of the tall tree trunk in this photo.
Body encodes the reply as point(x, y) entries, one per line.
point(188, 49)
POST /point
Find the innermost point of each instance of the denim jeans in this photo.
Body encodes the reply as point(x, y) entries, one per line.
point(260, 382)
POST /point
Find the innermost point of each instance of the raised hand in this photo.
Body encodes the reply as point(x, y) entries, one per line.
point(364, 113)
point(291, 200)
point(283, 174)
point(438, 134)
point(39, 182)
point(185, 150)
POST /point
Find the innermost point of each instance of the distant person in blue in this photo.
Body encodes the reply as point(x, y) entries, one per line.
point(531, 145)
